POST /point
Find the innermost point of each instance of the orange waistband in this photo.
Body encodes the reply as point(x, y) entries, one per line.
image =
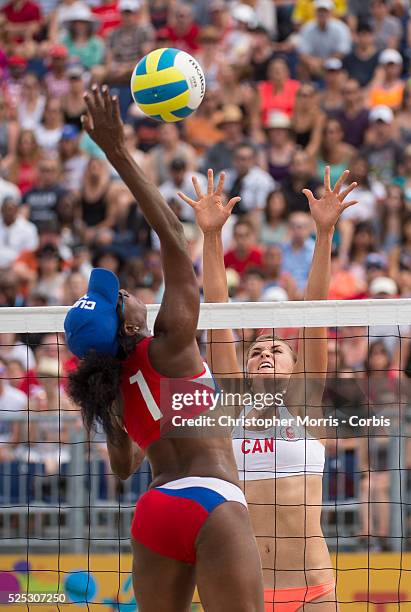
point(297, 595)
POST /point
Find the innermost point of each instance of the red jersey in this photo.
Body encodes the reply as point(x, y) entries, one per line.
point(149, 403)
point(109, 17)
point(253, 259)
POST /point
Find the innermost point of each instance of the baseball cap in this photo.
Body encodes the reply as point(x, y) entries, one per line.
point(390, 56)
point(58, 51)
point(381, 113)
point(92, 322)
point(274, 294)
point(244, 14)
point(383, 284)
point(277, 119)
point(75, 71)
point(70, 132)
point(333, 63)
point(375, 260)
point(328, 5)
point(129, 5)
point(17, 60)
point(230, 113)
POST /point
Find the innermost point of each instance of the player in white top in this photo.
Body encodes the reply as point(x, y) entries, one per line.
point(281, 469)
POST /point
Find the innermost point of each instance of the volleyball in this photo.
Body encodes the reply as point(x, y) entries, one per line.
point(168, 84)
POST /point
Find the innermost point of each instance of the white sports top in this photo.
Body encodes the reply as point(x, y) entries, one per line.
point(277, 452)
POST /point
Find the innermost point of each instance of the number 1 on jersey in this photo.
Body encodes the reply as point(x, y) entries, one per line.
point(147, 395)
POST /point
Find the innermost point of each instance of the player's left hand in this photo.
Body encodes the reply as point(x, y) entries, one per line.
point(103, 120)
point(211, 213)
point(327, 210)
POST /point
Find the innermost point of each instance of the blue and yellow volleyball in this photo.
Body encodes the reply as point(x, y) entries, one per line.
point(168, 84)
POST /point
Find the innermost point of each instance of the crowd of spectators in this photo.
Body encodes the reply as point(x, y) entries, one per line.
point(292, 86)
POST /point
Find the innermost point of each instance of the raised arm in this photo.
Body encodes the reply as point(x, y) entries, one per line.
point(177, 319)
point(211, 215)
point(312, 349)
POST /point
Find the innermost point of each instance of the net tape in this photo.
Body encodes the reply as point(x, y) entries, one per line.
point(239, 315)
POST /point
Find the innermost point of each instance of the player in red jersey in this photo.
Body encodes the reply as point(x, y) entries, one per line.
point(186, 526)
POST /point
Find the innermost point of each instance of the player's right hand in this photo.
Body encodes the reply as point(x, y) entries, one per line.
point(211, 213)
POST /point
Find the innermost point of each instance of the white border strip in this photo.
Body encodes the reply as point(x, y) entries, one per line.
point(249, 315)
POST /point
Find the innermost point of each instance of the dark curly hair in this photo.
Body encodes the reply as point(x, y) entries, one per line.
point(94, 386)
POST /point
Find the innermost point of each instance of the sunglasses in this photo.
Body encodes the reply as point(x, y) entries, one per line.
point(120, 309)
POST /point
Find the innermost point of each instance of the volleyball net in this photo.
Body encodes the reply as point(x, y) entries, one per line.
point(65, 519)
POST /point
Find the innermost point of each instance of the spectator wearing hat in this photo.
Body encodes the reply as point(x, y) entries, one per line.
point(278, 93)
point(210, 56)
point(73, 103)
point(237, 40)
point(322, 38)
point(304, 11)
point(362, 61)
point(73, 160)
point(331, 98)
point(41, 201)
point(181, 28)
point(80, 39)
point(388, 89)
point(180, 180)
point(353, 116)
point(384, 154)
point(9, 190)
point(12, 84)
point(126, 43)
point(220, 155)
point(17, 234)
point(56, 80)
point(387, 28)
point(280, 145)
point(247, 180)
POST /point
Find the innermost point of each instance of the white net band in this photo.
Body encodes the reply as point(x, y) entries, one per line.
point(247, 315)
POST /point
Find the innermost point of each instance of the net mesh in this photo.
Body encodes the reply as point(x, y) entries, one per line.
point(65, 519)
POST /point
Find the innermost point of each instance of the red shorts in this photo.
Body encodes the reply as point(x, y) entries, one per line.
point(167, 519)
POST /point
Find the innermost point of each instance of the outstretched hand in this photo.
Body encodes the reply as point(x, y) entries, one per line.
point(211, 213)
point(327, 210)
point(103, 120)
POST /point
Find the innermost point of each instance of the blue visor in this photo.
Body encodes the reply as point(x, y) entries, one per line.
point(92, 323)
